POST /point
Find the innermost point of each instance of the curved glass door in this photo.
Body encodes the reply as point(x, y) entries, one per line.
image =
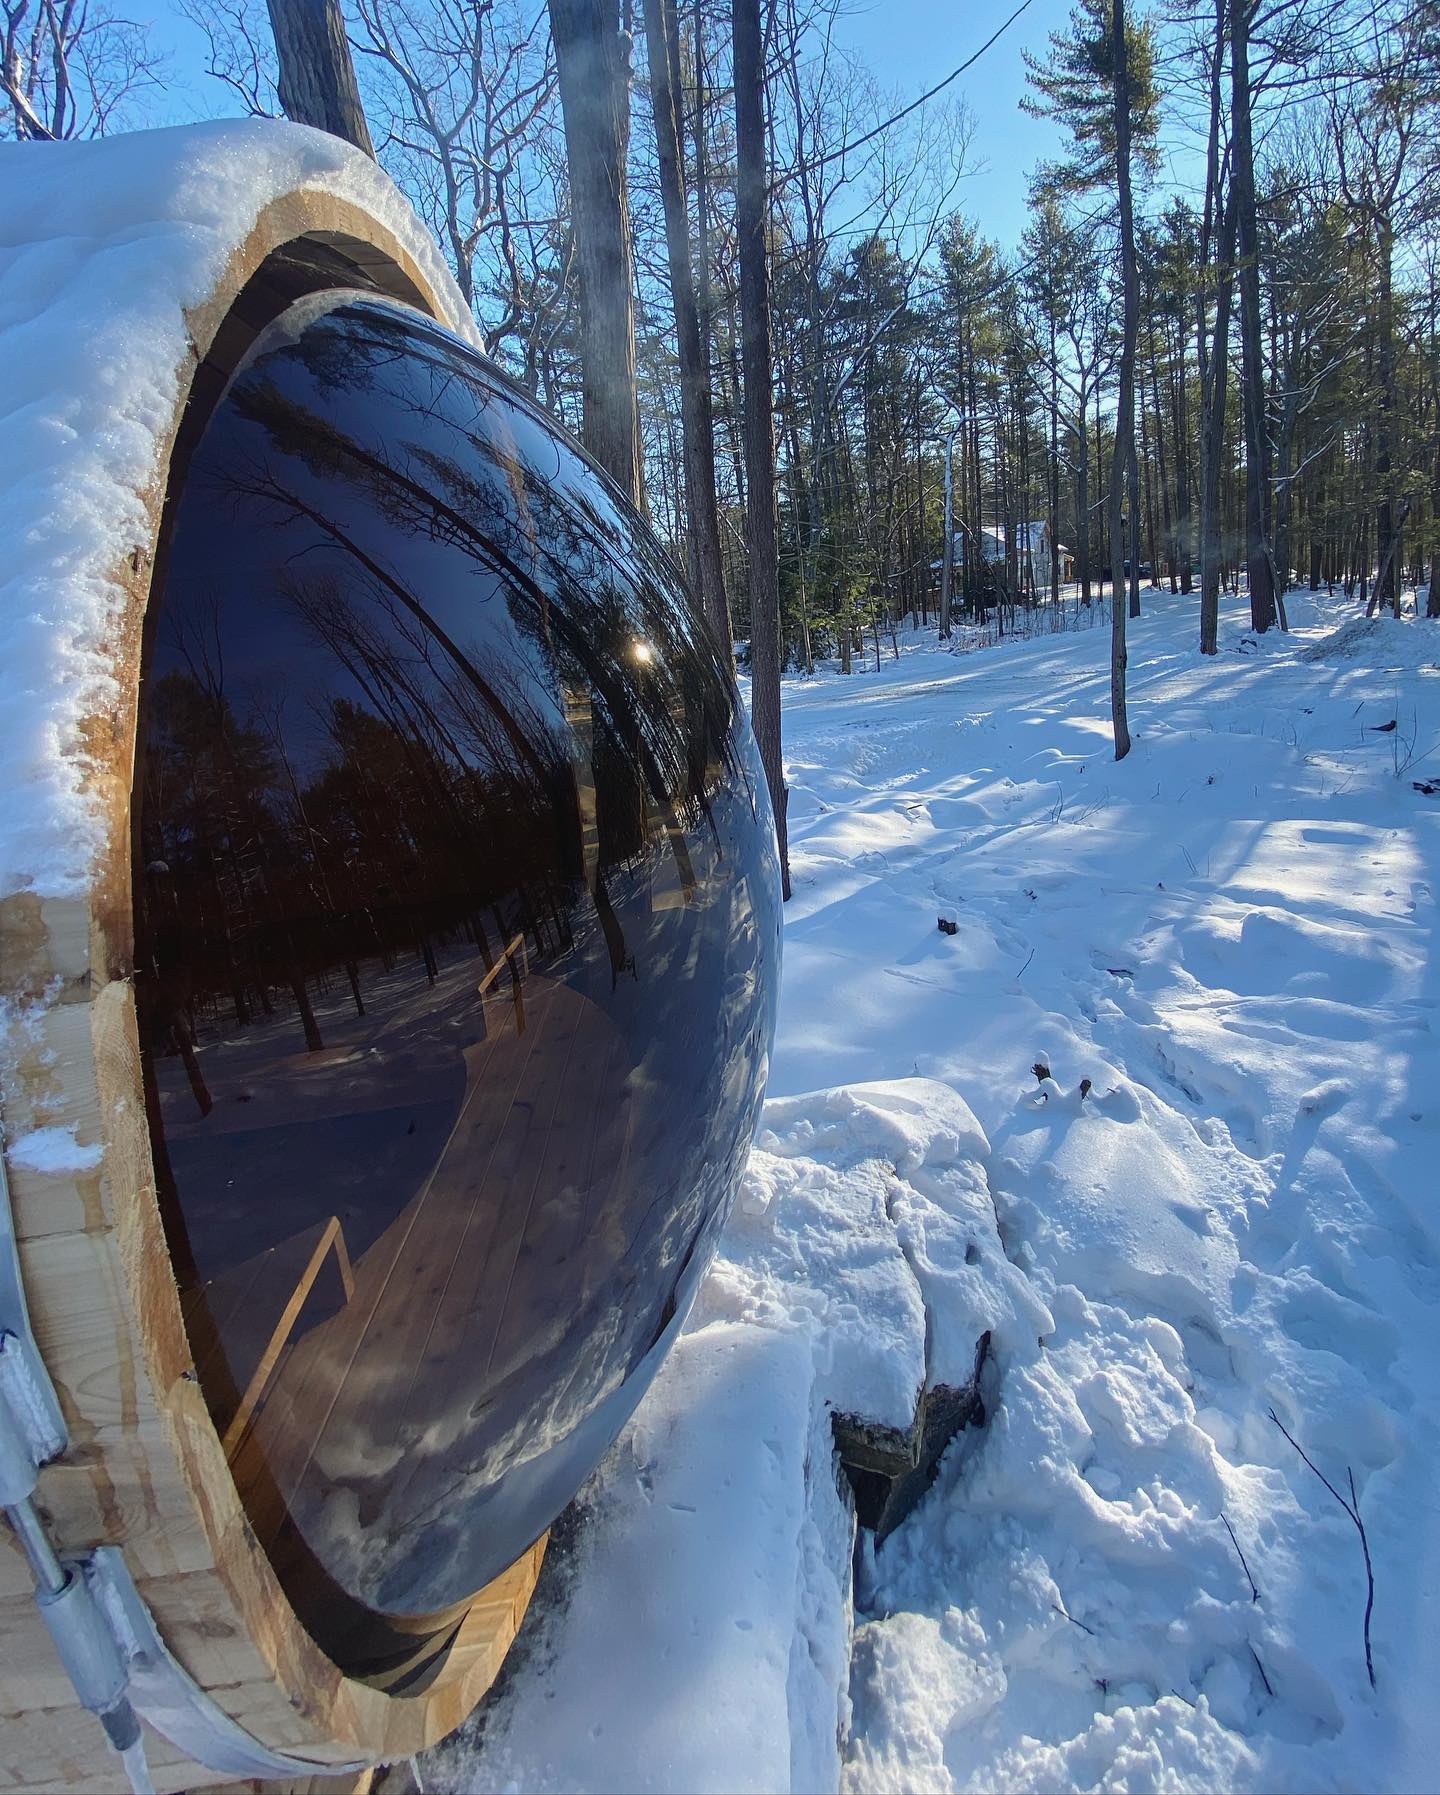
point(456, 920)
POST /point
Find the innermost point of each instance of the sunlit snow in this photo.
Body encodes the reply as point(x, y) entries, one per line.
point(1230, 935)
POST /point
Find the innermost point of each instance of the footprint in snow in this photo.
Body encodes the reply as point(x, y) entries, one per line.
point(1196, 1216)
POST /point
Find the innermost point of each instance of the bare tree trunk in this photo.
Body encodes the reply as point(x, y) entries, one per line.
point(1133, 475)
point(1082, 499)
point(1152, 552)
point(1433, 596)
point(697, 421)
point(314, 1041)
point(1185, 524)
point(1387, 588)
point(317, 78)
point(1258, 559)
point(947, 547)
point(1167, 531)
point(751, 197)
point(592, 61)
point(1123, 459)
point(977, 514)
point(1053, 483)
point(704, 295)
point(1214, 364)
point(1432, 600)
point(1101, 506)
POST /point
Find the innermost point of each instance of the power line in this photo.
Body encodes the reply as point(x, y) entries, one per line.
point(905, 111)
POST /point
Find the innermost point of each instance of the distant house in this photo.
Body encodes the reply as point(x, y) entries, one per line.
point(993, 546)
point(1038, 537)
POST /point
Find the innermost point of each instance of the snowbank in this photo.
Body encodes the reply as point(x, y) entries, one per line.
point(102, 247)
point(704, 1638)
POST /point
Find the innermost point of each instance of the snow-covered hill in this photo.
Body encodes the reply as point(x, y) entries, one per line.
point(1230, 935)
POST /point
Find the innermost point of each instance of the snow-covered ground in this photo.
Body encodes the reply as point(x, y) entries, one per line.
point(1230, 935)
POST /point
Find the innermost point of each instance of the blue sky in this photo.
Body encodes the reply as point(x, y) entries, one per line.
point(907, 44)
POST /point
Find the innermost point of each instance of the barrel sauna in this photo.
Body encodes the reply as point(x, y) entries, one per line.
point(406, 1039)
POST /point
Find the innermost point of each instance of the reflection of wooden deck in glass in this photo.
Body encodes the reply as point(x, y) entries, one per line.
point(479, 1276)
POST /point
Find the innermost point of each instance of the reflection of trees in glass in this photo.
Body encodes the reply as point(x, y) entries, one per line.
point(579, 582)
point(428, 811)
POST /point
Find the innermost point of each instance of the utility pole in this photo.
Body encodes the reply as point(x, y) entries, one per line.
point(947, 562)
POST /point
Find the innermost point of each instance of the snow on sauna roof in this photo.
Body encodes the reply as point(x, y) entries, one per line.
point(103, 246)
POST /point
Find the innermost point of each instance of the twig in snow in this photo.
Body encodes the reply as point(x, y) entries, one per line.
point(1072, 1620)
point(1403, 753)
point(1028, 958)
point(1254, 1593)
point(1352, 1508)
point(1369, 1572)
point(1261, 1668)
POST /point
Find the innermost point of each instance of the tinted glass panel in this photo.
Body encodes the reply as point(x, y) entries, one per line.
point(456, 929)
